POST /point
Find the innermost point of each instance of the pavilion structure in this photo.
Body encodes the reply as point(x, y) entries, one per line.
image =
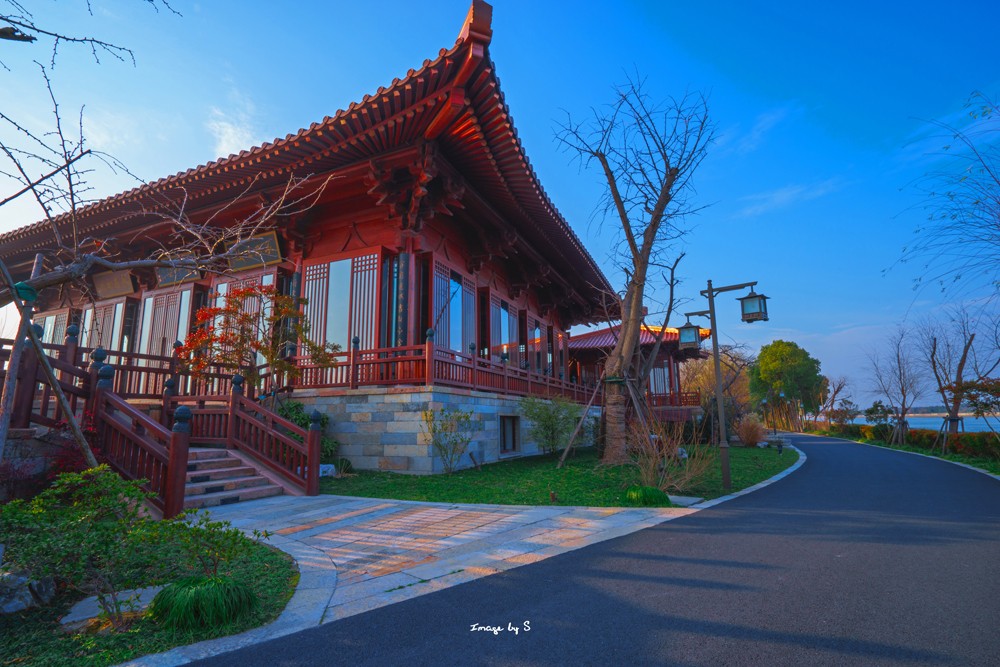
point(662, 391)
point(432, 257)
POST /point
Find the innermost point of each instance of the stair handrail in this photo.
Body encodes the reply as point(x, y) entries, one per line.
point(292, 452)
point(139, 447)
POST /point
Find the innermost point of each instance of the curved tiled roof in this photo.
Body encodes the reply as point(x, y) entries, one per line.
point(607, 337)
point(480, 141)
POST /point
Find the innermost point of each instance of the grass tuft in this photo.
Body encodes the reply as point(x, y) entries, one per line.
point(647, 496)
point(202, 601)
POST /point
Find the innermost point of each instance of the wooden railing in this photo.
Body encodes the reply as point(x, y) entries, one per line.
point(209, 417)
point(675, 399)
point(140, 448)
point(276, 443)
point(238, 422)
point(35, 401)
point(409, 366)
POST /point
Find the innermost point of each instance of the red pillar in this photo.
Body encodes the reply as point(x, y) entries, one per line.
point(313, 453)
point(180, 436)
point(234, 407)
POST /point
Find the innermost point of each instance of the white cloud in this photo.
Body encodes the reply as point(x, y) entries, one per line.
point(112, 131)
point(731, 139)
point(764, 123)
point(786, 196)
point(233, 128)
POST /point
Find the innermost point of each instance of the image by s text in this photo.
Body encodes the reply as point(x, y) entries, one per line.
point(497, 629)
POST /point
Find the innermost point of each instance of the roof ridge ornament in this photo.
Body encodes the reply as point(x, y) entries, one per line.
point(478, 24)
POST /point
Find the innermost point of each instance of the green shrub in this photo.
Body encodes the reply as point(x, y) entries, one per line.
point(597, 433)
point(203, 601)
point(647, 496)
point(551, 421)
point(983, 445)
point(921, 438)
point(451, 431)
point(89, 533)
point(207, 544)
point(296, 413)
point(852, 430)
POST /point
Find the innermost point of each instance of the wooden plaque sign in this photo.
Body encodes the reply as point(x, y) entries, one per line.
point(167, 276)
point(113, 283)
point(257, 251)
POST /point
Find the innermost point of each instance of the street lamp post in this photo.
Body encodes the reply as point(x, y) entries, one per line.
point(754, 307)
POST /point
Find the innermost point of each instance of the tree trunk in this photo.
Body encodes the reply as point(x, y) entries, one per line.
point(615, 406)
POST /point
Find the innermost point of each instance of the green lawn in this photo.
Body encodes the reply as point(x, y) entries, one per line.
point(529, 481)
point(34, 638)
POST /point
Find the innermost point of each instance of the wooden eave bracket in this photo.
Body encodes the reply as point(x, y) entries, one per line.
point(478, 26)
point(447, 114)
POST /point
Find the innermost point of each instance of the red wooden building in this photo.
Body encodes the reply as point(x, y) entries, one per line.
point(433, 221)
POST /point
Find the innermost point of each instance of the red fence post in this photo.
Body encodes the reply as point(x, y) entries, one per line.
point(105, 382)
point(313, 453)
point(234, 406)
point(180, 436)
point(355, 352)
point(97, 358)
point(429, 357)
point(70, 351)
point(27, 383)
point(168, 392)
point(472, 360)
point(68, 354)
point(504, 359)
point(173, 365)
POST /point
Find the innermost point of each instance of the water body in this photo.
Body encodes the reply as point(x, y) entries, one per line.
point(934, 423)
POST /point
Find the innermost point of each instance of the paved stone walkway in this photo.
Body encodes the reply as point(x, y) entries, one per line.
point(386, 551)
point(358, 554)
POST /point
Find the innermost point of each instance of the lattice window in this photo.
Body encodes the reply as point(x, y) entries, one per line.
point(497, 333)
point(364, 300)
point(454, 309)
point(342, 301)
point(102, 326)
point(164, 323)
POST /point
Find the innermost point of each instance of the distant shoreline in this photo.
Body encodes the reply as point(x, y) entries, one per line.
point(942, 415)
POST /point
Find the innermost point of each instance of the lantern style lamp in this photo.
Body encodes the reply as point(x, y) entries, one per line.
point(754, 307)
point(689, 336)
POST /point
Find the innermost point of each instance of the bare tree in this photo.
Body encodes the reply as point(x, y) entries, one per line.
point(897, 376)
point(647, 153)
point(699, 375)
point(959, 244)
point(963, 347)
point(18, 24)
point(834, 389)
point(48, 164)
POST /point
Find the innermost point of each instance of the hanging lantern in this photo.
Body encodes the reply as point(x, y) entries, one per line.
point(754, 307)
point(689, 336)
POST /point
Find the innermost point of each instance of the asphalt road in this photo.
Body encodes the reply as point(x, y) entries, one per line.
point(863, 556)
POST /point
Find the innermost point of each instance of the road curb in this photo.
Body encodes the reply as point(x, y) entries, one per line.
point(750, 489)
point(928, 456)
point(304, 610)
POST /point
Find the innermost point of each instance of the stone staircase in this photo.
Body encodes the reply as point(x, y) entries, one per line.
point(219, 477)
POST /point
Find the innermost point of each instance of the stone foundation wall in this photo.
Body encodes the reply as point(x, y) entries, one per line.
point(382, 428)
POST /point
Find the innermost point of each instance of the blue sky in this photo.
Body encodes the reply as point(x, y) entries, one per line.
point(821, 113)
